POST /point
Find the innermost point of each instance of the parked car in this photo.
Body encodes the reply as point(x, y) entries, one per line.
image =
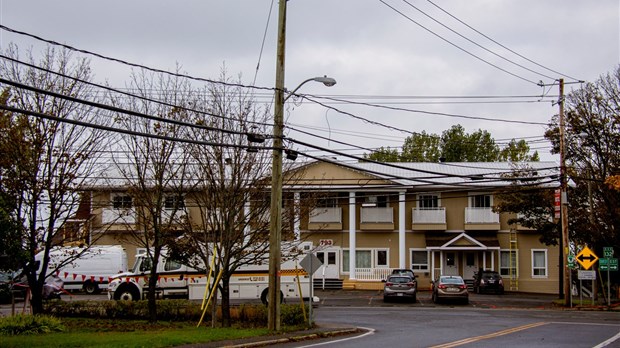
point(407, 272)
point(450, 287)
point(485, 281)
point(400, 286)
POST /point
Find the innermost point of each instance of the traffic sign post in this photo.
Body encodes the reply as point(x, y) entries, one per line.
point(609, 264)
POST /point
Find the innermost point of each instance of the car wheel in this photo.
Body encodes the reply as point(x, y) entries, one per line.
point(385, 299)
point(466, 301)
point(127, 294)
point(264, 297)
point(91, 288)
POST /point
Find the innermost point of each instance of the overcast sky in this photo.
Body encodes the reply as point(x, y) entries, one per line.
point(381, 52)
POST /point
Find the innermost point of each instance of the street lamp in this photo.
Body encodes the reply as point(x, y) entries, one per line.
point(275, 223)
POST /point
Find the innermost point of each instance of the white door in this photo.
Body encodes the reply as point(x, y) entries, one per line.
point(450, 266)
point(470, 262)
point(330, 268)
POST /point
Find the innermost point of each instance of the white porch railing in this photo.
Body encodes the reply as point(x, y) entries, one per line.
point(326, 215)
point(481, 216)
point(377, 215)
point(429, 215)
point(372, 274)
point(118, 216)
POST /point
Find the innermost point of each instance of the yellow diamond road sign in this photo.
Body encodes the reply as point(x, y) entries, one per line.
point(586, 258)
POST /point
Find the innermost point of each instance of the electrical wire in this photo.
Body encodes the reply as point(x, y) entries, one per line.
point(459, 47)
point(135, 65)
point(477, 44)
point(501, 45)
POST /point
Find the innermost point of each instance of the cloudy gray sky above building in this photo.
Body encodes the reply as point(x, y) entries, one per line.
point(400, 55)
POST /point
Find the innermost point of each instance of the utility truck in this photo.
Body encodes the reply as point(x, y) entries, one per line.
point(87, 269)
point(248, 282)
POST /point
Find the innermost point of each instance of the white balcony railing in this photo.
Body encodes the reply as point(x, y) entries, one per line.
point(429, 215)
point(326, 215)
point(372, 274)
point(377, 215)
point(118, 216)
point(174, 216)
point(481, 216)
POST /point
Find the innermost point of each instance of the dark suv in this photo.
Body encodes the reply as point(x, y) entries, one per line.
point(485, 281)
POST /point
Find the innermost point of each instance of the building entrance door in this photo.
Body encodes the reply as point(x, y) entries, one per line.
point(470, 264)
point(450, 266)
point(330, 268)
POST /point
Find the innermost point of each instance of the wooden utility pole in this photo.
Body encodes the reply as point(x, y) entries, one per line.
point(564, 202)
point(275, 223)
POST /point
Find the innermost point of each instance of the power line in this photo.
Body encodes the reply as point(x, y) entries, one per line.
point(135, 65)
point(457, 46)
point(104, 87)
point(477, 44)
point(502, 46)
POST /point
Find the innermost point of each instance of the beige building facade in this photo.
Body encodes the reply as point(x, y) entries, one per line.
point(366, 219)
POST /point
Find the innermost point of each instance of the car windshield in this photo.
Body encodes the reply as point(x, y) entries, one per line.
point(399, 280)
point(451, 280)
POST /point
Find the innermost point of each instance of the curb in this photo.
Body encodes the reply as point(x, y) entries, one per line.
point(309, 336)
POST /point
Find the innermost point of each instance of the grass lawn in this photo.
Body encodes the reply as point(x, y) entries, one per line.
point(119, 333)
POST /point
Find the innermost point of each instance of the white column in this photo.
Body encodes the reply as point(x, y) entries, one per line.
point(352, 225)
point(402, 256)
point(484, 261)
point(432, 265)
point(297, 218)
point(246, 229)
point(493, 261)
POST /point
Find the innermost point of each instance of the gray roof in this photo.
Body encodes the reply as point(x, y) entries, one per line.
point(476, 174)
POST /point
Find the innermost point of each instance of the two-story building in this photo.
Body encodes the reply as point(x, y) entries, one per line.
point(435, 218)
point(369, 218)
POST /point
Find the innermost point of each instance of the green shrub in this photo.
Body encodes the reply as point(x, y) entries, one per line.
point(170, 310)
point(293, 315)
point(23, 324)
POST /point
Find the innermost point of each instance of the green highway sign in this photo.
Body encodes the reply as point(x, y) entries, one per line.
point(608, 252)
point(605, 264)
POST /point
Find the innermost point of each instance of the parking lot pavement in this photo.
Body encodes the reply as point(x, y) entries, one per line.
point(375, 297)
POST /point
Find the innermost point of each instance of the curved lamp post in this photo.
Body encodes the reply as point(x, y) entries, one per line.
point(275, 223)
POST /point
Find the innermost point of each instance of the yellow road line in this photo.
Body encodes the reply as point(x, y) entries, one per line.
point(492, 335)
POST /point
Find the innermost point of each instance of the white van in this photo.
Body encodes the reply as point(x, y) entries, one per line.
point(91, 271)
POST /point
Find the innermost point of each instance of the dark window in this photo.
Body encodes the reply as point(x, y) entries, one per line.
point(122, 202)
point(428, 201)
point(481, 201)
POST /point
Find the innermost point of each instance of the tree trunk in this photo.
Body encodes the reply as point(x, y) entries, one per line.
point(225, 301)
point(151, 295)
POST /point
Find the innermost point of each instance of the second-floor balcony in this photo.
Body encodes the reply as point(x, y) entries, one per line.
point(481, 216)
point(326, 215)
point(123, 216)
point(429, 218)
point(429, 215)
point(382, 215)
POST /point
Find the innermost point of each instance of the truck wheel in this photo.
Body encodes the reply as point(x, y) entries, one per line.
point(91, 288)
point(264, 297)
point(127, 293)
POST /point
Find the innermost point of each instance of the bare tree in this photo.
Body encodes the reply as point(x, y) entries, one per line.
point(232, 204)
point(49, 157)
point(154, 171)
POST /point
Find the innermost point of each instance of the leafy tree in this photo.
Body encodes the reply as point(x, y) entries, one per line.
point(517, 151)
point(532, 199)
point(592, 133)
point(47, 160)
point(454, 145)
point(421, 147)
